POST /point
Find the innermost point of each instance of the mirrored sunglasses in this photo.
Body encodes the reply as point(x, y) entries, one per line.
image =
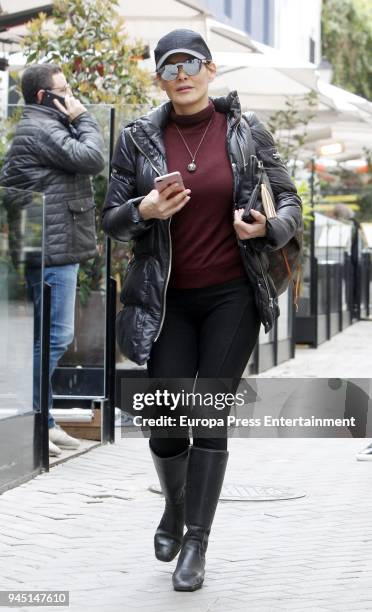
point(169, 72)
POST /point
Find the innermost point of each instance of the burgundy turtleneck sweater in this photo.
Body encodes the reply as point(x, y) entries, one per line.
point(204, 245)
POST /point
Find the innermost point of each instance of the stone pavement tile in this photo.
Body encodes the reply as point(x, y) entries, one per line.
point(46, 553)
point(244, 606)
point(19, 530)
point(10, 539)
point(342, 606)
point(7, 584)
point(31, 553)
point(310, 607)
point(364, 606)
point(223, 604)
point(169, 601)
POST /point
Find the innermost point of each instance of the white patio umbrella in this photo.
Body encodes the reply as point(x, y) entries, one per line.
point(263, 82)
point(345, 100)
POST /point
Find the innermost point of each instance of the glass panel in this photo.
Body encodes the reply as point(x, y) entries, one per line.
point(334, 282)
point(21, 235)
point(332, 240)
point(321, 253)
point(126, 114)
point(345, 273)
point(365, 271)
point(80, 370)
point(305, 288)
point(322, 288)
point(284, 321)
point(321, 238)
point(347, 238)
point(264, 338)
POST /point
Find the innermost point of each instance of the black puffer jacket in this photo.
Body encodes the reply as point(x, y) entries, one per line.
point(139, 157)
point(54, 157)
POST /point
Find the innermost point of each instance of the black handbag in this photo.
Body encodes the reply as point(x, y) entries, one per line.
point(284, 264)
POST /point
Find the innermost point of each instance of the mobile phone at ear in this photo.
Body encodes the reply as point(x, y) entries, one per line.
point(48, 98)
point(162, 182)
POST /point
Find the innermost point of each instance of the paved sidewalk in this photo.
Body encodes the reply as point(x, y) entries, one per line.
point(346, 355)
point(87, 527)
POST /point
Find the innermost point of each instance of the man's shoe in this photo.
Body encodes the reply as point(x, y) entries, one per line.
point(58, 436)
point(366, 454)
point(205, 474)
point(54, 451)
point(172, 476)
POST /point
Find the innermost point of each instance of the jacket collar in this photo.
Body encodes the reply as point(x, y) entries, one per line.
point(229, 104)
point(31, 109)
point(150, 126)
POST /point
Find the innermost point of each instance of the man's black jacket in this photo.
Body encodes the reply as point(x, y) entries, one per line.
point(139, 157)
point(49, 155)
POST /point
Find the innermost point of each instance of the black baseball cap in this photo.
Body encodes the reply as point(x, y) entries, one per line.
point(181, 41)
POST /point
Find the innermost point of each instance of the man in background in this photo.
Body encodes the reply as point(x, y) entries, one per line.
point(56, 148)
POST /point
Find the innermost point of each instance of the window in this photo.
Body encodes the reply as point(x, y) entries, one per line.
point(248, 16)
point(228, 8)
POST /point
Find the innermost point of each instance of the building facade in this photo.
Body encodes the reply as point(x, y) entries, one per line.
point(292, 26)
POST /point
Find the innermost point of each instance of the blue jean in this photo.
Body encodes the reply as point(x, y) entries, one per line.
point(63, 281)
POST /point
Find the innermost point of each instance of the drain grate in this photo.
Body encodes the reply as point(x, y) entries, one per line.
point(246, 492)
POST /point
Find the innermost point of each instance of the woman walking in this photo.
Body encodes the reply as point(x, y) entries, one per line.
point(195, 293)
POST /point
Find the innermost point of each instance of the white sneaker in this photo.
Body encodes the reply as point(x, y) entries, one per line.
point(365, 454)
point(54, 451)
point(58, 436)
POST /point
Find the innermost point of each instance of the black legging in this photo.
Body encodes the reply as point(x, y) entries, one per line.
point(208, 332)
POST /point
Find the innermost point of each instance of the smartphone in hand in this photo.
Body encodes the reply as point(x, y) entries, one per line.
point(162, 182)
point(48, 98)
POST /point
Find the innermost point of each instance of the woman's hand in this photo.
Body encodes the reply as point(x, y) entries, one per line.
point(165, 204)
point(257, 229)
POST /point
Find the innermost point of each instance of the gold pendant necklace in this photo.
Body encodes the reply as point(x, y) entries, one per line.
point(191, 167)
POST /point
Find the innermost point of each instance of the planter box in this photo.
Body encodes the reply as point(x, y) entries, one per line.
point(86, 431)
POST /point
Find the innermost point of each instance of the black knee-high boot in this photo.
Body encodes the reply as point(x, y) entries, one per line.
point(206, 471)
point(172, 476)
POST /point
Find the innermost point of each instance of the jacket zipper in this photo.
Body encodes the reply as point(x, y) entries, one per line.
point(240, 146)
point(167, 281)
point(170, 241)
point(260, 166)
point(234, 168)
point(144, 154)
point(271, 300)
